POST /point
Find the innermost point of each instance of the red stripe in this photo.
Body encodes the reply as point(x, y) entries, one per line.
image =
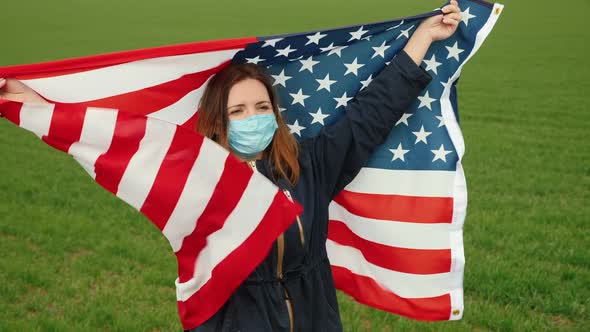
point(11, 111)
point(156, 97)
point(81, 64)
point(172, 176)
point(66, 126)
point(397, 207)
point(230, 273)
point(416, 261)
point(367, 291)
point(228, 192)
point(110, 166)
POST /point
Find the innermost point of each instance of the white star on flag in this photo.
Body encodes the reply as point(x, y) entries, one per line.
point(358, 34)
point(328, 48)
point(281, 78)
point(337, 51)
point(404, 119)
point(366, 82)
point(405, 33)
point(440, 119)
point(318, 117)
point(421, 135)
point(454, 51)
point(353, 67)
point(425, 100)
point(441, 154)
point(466, 16)
point(299, 98)
point(272, 42)
point(285, 51)
point(315, 39)
point(255, 60)
point(308, 64)
point(295, 128)
point(398, 153)
point(325, 83)
point(380, 50)
point(432, 64)
point(343, 101)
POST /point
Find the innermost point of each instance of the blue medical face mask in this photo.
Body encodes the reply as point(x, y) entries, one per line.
point(250, 136)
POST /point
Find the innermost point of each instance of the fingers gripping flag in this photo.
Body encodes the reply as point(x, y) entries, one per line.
point(395, 234)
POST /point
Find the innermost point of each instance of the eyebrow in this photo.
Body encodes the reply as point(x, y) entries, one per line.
point(258, 103)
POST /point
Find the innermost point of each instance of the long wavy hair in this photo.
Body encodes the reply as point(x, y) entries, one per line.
point(213, 119)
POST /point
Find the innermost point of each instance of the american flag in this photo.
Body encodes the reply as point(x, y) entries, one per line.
point(395, 233)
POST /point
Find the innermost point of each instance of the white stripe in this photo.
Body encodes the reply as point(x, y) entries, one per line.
point(395, 233)
point(403, 284)
point(459, 196)
point(456, 239)
point(118, 79)
point(143, 167)
point(457, 253)
point(36, 118)
point(401, 182)
point(182, 110)
point(460, 185)
point(459, 211)
point(243, 220)
point(198, 189)
point(446, 107)
point(97, 135)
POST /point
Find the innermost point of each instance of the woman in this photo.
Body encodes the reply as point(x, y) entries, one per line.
point(292, 289)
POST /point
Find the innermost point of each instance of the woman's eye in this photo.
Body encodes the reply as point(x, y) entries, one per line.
point(235, 112)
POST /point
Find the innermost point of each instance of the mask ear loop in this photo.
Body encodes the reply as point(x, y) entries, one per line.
point(299, 223)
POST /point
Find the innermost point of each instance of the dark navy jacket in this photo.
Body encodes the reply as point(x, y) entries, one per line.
point(328, 163)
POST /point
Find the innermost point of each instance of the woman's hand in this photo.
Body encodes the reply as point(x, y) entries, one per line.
point(14, 90)
point(443, 26)
point(432, 29)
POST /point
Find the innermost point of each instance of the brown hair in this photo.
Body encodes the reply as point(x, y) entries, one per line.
point(213, 120)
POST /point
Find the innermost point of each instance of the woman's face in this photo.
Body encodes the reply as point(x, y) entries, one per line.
point(246, 98)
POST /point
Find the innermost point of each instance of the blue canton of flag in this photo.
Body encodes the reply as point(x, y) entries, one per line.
point(318, 74)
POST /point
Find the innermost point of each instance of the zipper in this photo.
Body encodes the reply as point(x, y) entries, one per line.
point(252, 164)
point(280, 256)
point(299, 224)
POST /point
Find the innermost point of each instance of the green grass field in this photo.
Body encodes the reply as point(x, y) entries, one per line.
point(73, 257)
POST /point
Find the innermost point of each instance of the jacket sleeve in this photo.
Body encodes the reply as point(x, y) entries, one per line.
point(340, 151)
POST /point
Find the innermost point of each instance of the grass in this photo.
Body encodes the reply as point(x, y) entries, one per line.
point(74, 257)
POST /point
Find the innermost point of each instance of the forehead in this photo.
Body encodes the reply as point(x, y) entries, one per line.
point(247, 91)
